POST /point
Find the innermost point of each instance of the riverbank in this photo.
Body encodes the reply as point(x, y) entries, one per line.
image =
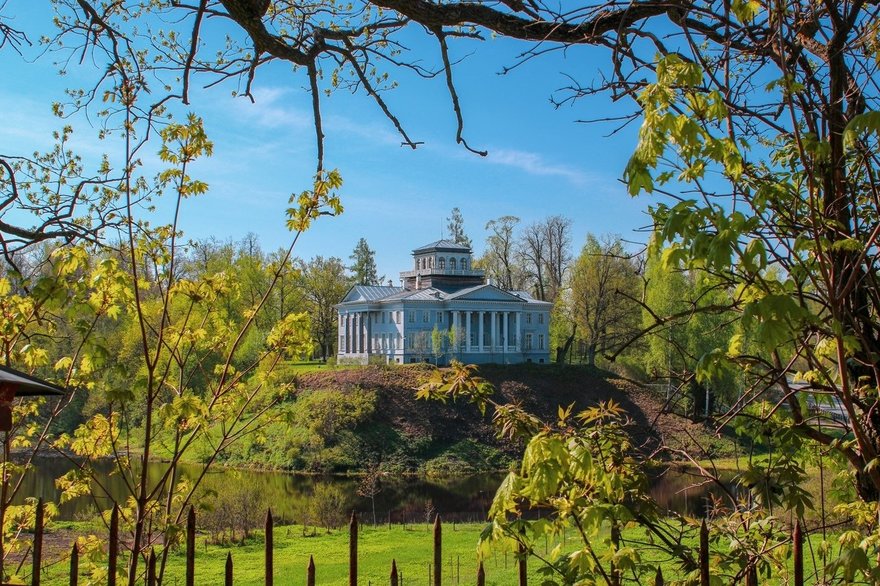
point(343, 420)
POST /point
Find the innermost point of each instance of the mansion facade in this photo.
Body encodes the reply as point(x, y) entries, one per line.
point(443, 310)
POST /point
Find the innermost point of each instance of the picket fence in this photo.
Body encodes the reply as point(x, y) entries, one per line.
point(435, 571)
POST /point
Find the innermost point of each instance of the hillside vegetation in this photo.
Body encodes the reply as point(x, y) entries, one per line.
point(347, 419)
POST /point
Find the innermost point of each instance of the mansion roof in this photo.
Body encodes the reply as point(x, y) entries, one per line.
point(362, 294)
point(438, 282)
point(442, 246)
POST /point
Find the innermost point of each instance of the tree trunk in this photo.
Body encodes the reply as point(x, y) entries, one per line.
point(563, 351)
point(591, 354)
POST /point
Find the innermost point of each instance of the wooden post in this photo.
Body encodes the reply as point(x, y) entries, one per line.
point(658, 579)
point(310, 572)
point(353, 550)
point(523, 571)
point(151, 568)
point(191, 547)
point(38, 544)
point(74, 565)
point(481, 575)
point(228, 581)
point(269, 570)
point(394, 572)
point(438, 550)
point(798, 554)
point(704, 554)
point(113, 547)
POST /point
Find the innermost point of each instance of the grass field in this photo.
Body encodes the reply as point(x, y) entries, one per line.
point(410, 547)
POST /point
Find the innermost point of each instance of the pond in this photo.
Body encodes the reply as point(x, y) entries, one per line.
point(406, 498)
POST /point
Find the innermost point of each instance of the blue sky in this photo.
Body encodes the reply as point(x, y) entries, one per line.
point(541, 162)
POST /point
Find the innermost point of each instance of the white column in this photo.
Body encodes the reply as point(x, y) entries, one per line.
point(504, 336)
point(455, 332)
point(369, 333)
point(493, 338)
point(518, 331)
point(481, 340)
point(467, 325)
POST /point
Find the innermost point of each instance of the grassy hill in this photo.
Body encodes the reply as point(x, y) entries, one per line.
point(343, 419)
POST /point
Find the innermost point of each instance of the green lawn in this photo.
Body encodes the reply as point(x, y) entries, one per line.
point(411, 547)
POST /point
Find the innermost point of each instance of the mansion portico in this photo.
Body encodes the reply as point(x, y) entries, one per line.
point(442, 300)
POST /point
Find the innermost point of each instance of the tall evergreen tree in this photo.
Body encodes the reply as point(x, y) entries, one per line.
point(363, 267)
point(455, 226)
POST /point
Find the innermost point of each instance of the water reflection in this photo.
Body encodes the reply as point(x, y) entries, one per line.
point(682, 490)
point(404, 498)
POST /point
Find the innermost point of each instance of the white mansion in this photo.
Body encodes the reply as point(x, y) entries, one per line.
point(443, 299)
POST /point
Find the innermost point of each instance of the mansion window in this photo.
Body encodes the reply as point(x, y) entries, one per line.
point(439, 317)
point(540, 341)
point(464, 264)
point(452, 263)
point(528, 318)
point(441, 263)
point(527, 342)
point(540, 318)
point(412, 317)
point(426, 316)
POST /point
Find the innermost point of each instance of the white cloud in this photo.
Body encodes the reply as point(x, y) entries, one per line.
point(535, 164)
point(270, 111)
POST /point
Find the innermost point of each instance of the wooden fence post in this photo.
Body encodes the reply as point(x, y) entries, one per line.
point(798, 554)
point(191, 547)
point(151, 568)
point(38, 544)
point(393, 572)
point(658, 579)
point(74, 565)
point(269, 570)
point(438, 550)
point(113, 547)
point(228, 581)
point(481, 575)
point(353, 550)
point(523, 570)
point(704, 554)
point(310, 572)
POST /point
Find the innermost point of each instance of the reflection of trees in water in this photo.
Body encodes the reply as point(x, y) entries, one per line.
point(291, 496)
point(682, 490)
